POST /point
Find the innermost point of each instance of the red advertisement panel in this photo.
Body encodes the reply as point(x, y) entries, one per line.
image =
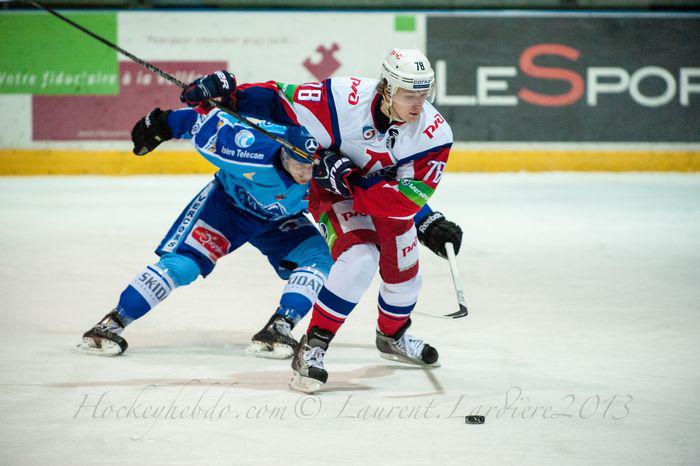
point(101, 117)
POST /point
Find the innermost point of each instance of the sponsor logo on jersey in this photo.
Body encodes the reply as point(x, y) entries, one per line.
point(354, 96)
point(327, 231)
point(430, 130)
point(242, 153)
point(191, 213)
point(208, 240)
point(407, 250)
point(349, 219)
point(368, 132)
point(311, 145)
point(391, 139)
point(244, 139)
point(348, 215)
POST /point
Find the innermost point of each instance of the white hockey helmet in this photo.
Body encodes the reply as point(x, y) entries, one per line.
point(408, 69)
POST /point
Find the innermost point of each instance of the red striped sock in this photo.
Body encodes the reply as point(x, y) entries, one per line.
point(389, 325)
point(323, 320)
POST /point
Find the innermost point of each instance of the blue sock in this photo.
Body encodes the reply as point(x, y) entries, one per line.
point(154, 284)
point(145, 291)
point(300, 293)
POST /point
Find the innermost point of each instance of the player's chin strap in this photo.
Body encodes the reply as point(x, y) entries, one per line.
point(389, 101)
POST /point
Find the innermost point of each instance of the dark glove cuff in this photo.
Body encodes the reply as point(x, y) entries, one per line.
point(427, 222)
point(163, 125)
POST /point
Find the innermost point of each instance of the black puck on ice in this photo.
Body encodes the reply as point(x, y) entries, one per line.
point(475, 419)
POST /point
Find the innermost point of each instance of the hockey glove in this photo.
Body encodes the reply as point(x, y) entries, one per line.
point(434, 231)
point(150, 131)
point(220, 85)
point(332, 172)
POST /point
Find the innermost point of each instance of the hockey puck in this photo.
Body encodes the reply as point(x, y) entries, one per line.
point(475, 419)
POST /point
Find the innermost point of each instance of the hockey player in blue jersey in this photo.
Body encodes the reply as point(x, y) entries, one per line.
point(258, 196)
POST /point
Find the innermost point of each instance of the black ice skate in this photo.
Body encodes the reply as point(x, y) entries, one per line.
point(275, 340)
point(307, 363)
point(104, 339)
point(402, 347)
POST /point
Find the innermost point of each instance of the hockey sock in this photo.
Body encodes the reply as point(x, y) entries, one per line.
point(145, 291)
point(330, 311)
point(300, 293)
point(395, 303)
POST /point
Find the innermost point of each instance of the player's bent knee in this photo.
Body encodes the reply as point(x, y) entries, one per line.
point(401, 294)
point(312, 253)
point(410, 286)
point(359, 263)
point(181, 269)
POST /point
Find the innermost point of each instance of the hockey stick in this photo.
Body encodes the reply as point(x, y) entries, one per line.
point(457, 282)
point(168, 77)
point(454, 271)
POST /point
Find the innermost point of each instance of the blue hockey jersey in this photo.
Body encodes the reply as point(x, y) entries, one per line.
point(250, 170)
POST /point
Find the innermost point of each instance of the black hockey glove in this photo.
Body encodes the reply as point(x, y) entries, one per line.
point(220, 85)
point(332, 172)
point(434, 231)
point(150, 131)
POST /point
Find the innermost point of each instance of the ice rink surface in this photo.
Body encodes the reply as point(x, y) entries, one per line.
point(582, 345)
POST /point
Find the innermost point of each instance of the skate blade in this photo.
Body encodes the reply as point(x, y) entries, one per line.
point(303, 384)
point(405, 360)
point(104, 348)
point(259, 349)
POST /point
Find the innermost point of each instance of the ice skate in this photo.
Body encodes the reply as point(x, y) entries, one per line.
point(275, 340)
point(309, 373)
point(104, 339)
point(405, 348)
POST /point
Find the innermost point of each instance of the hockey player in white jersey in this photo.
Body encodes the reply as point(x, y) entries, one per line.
point(386, 148)
point(258, 196)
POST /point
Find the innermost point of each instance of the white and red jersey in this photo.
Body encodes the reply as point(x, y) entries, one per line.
point(401, 167)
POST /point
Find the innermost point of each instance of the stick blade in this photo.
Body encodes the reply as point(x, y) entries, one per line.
point(463, 312)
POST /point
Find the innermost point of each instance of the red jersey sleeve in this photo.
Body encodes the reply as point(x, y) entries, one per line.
point(405, 195)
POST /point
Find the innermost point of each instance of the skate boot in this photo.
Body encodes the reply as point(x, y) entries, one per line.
point(104, 339)
point(275, 340)
point(402, 347)
point(307, 363)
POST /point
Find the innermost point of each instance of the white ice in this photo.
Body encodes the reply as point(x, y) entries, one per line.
point(581, 347)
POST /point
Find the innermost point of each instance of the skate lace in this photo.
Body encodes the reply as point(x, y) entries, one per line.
point(109, 325)
point(410, 346)
point(313, 356)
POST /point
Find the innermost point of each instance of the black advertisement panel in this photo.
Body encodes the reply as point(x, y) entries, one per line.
point(568, 78)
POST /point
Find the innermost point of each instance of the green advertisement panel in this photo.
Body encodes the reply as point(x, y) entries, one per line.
point(43, 55)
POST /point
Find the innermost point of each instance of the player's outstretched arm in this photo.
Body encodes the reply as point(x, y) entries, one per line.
point(219, 86)
point(150, 131)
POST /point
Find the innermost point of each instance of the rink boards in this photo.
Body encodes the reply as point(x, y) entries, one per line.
point(546, 91)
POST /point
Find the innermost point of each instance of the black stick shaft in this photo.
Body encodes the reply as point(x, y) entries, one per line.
point(170, 78)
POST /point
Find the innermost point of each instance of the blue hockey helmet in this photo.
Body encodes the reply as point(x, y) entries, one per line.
point(299, 137)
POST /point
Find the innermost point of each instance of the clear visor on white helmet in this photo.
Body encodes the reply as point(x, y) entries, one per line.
point(409, 69)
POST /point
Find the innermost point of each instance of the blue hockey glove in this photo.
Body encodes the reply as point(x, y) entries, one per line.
point(434, 231)
point(150, 131)
point(332, 172)
point(220, 85)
